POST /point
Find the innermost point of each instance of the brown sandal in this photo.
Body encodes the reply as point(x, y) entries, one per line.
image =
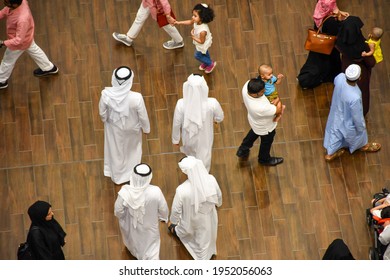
point(371, 147)
point(335, 155)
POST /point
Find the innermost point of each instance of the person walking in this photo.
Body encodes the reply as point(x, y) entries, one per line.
point(20, 38)
point(261, 114)
point(202, 15)
point(153, 8)
point(194, 218)
point(139, 207)
point(46, 236)
point(346, 127)
point(124, 115)
point(194, 118)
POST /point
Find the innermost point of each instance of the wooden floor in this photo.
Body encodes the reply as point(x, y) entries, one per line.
point(51, 136)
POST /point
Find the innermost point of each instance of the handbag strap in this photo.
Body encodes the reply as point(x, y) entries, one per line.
point(319, 27)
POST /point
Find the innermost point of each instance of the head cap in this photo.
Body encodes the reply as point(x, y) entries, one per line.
point(353, 72)
point(122, 74)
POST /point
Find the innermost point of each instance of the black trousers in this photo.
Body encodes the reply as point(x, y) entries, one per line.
point(265, 144)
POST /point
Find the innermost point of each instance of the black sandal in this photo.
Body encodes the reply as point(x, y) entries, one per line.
point(171, 229)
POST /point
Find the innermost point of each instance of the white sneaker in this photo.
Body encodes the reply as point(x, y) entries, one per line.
point(122, 38)
point(170, 45)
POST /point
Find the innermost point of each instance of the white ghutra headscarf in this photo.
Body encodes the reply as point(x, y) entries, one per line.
point(116, 97)
point(195, 94)
point(133, 194)
point(204, 192)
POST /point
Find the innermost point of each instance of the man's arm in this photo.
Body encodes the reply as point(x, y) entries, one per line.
point(21, 31)
point(177, 123)
point(143, 116)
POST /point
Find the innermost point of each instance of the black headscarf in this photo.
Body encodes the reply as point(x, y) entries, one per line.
point(338, 250)
point(38, 212)
point(350, 40)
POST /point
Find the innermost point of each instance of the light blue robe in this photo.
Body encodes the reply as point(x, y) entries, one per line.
point(346, 127)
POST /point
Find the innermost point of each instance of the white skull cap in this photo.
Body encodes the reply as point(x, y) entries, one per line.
point(353, 72)
point(123, 73)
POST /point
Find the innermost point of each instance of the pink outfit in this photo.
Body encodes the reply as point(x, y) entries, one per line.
point(323, 9)
point(157, 5)
point(20, 27)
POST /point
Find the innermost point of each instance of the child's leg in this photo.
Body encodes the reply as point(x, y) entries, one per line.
point(272, 97)
point(278, 116)
point(203, 57)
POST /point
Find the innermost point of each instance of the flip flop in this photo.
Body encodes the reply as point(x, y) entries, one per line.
point(371, 147)
point(335, 155)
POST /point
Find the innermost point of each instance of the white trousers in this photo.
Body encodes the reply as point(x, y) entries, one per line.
point(10, 58)
point(141, 17)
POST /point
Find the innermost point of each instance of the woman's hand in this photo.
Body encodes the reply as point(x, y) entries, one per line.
point(341, 15)
point(170, 20)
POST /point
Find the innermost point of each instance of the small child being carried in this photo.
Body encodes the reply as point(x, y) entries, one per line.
point(270, 80)
point(374, 42)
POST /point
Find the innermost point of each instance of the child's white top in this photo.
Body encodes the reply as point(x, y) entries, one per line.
point(198, 28)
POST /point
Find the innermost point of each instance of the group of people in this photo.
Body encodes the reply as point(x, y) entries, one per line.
point(46, 236)
point(351, 48)
point(140, 206)
point(125, 118)
point(161, 11)
point(350, 65)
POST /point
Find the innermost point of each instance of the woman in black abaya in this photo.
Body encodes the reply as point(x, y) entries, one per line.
point(338, 250)
point(46, 236)
point(321, 68)
point(351, 43)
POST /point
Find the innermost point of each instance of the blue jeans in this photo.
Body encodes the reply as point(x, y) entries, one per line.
point(204, 58)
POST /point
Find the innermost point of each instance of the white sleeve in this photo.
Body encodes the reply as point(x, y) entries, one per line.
point(163, 210)
point(218, 112)
point(176, 209)
point(177, 122)
point(119, 208)
point(143, 116)
point(102, 109)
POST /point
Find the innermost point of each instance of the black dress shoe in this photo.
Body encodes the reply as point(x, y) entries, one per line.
point(272, 161)
point(242, 153)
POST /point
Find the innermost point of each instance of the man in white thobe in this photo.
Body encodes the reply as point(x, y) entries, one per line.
point(139, 208)
point(193, 118)
point(124, 115)
point(194, 216)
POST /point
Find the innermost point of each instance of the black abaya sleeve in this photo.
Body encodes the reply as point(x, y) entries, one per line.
point(40, 249)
